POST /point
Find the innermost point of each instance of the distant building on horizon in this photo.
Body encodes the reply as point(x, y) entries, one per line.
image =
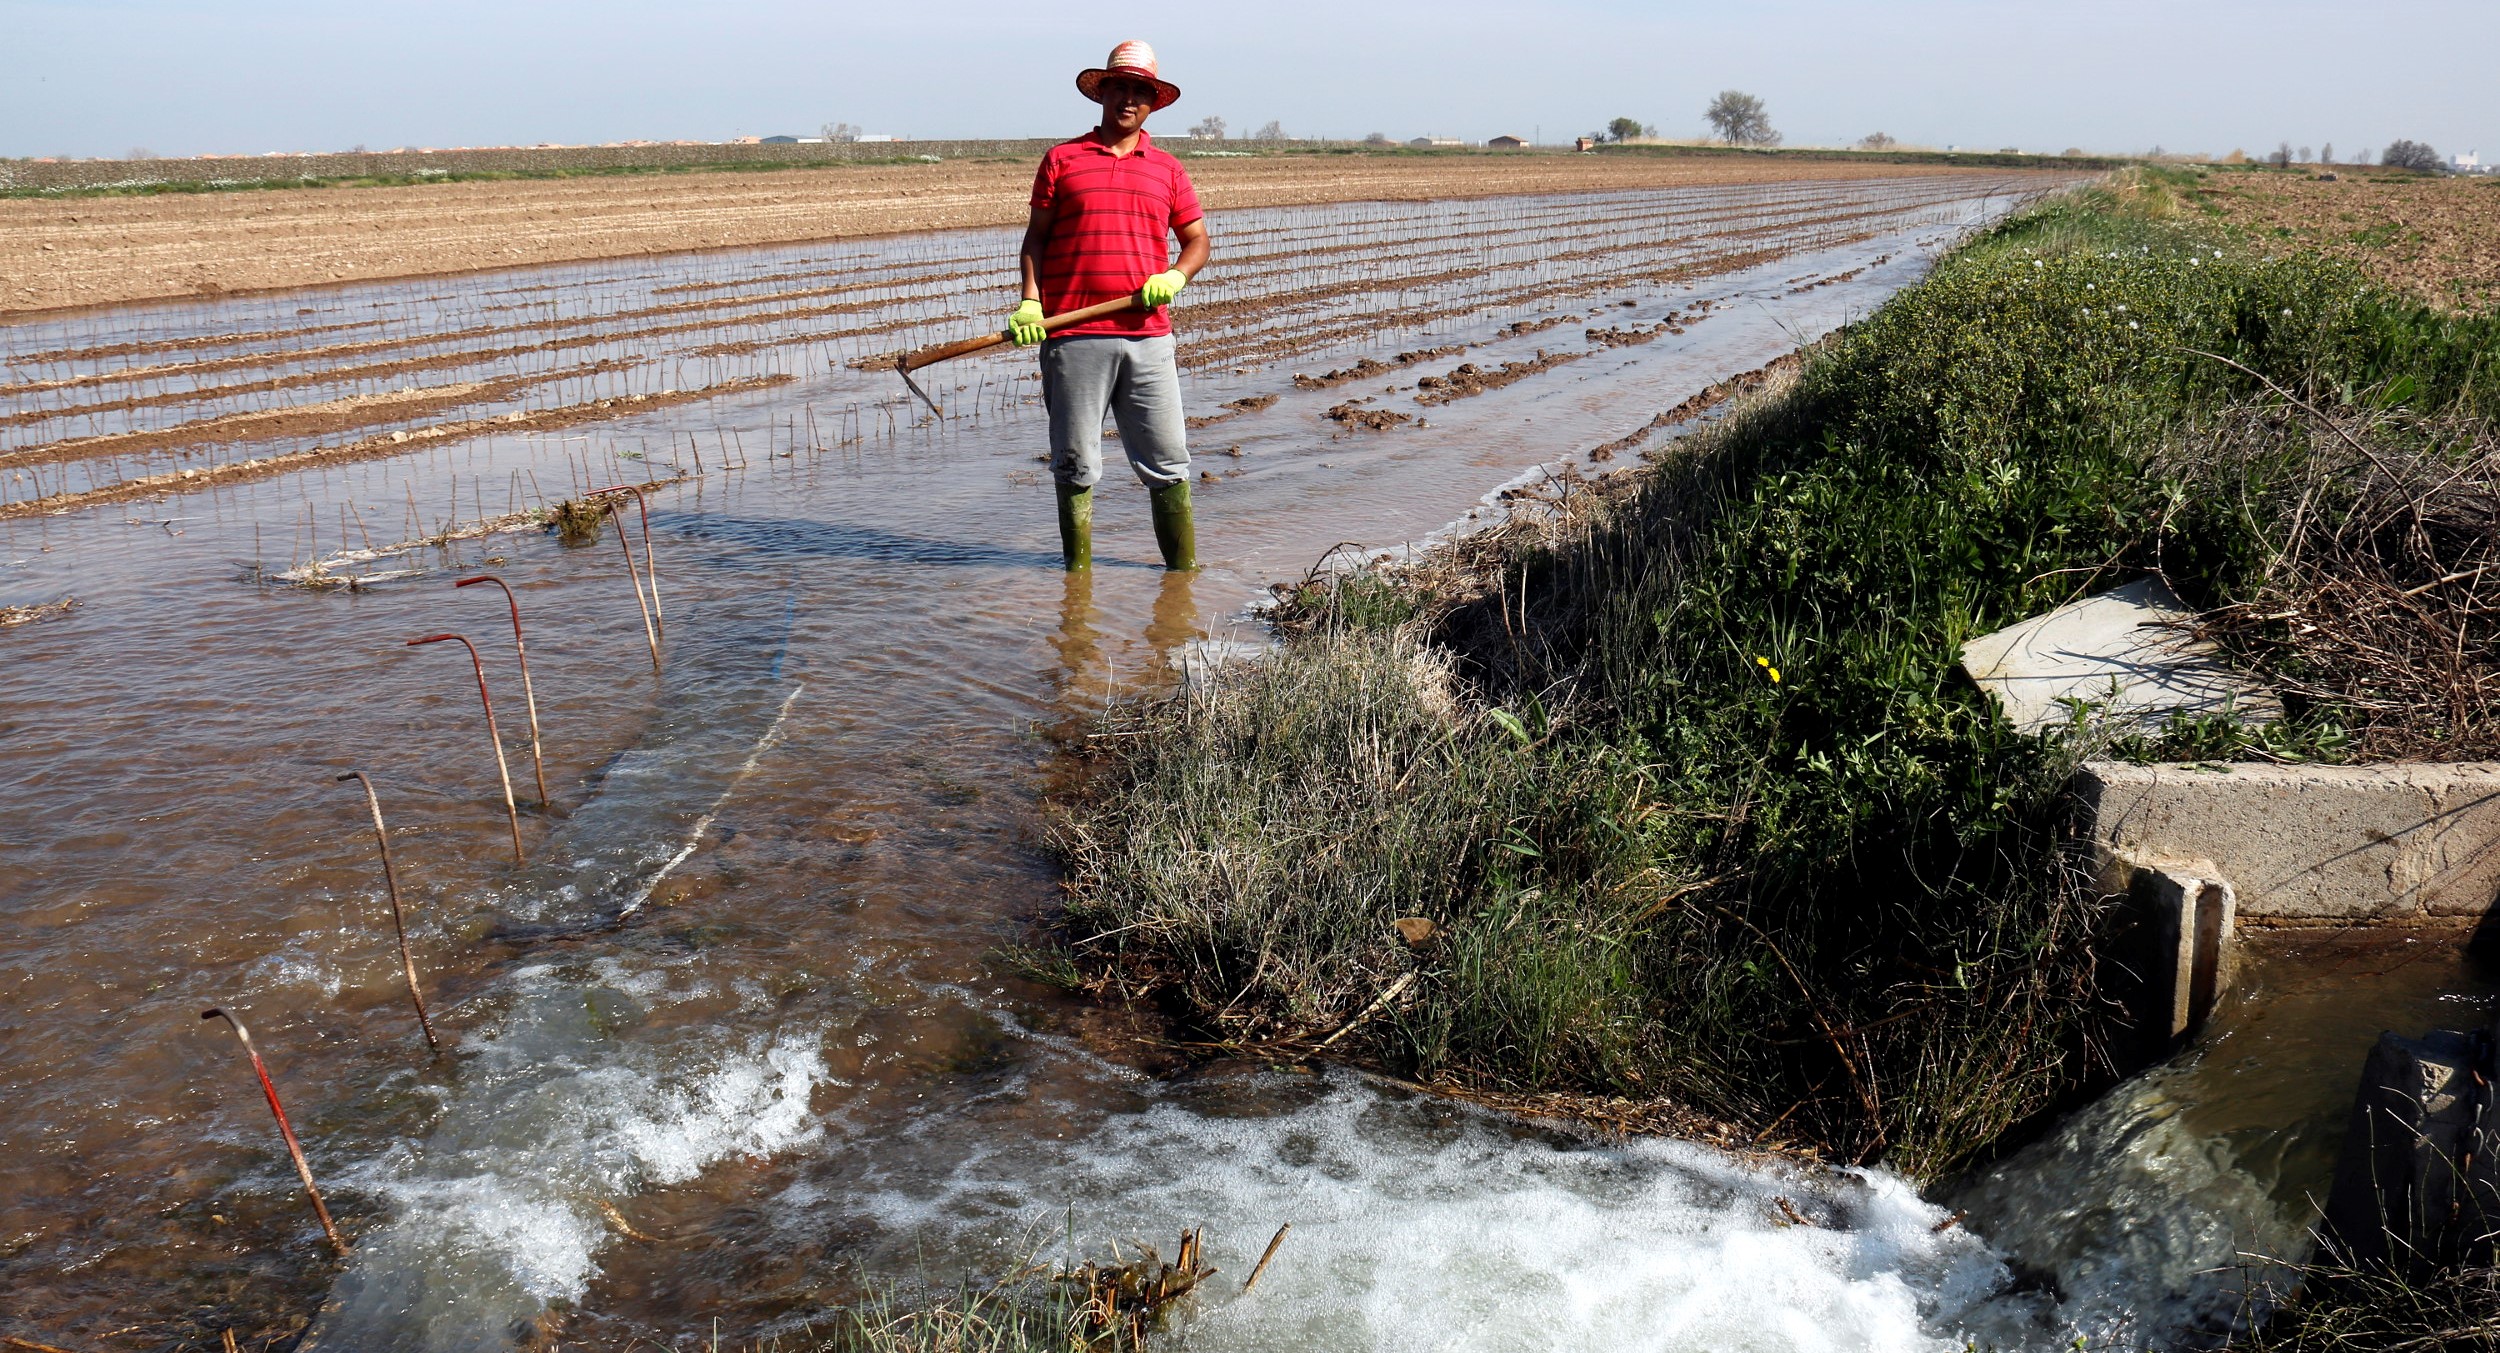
point(1436, 143)
point(2471, 162)
point(1506, 142)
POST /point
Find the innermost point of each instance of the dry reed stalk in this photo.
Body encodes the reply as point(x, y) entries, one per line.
point(529, 694)
point(650, 633)
point(512, 810)
point(2382, 604)
point(399, 924)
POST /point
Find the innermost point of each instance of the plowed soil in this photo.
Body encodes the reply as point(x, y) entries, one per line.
point(2436, 238)
point(95, 251)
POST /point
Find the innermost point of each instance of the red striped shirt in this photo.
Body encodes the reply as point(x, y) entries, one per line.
point(1113, 220)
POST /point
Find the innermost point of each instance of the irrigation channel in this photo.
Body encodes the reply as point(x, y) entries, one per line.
point(735, 1042)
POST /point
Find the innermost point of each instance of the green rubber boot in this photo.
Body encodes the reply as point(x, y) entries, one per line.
point(1076, 527)
point(1174, 531)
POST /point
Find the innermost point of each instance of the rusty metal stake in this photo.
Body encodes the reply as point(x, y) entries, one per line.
point(650, 635)
point(529, 697)
point(650, 557)
point(294, 1149)
point(511, 810)
point(390, 877)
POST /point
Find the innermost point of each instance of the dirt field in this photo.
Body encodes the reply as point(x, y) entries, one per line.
point(2438, 238)
point(94, 251)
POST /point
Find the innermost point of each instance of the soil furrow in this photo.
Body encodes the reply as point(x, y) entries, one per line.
point(378, 447)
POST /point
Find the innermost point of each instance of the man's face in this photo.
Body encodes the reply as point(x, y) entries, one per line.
point(1125, 103)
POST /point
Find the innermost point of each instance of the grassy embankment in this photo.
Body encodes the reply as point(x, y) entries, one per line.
point(1690, 788)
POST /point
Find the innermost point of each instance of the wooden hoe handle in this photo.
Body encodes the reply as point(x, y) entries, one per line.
point(913, 361)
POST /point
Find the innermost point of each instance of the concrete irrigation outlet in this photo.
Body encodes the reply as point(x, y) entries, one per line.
point(2205, 850)
point(2314, 845)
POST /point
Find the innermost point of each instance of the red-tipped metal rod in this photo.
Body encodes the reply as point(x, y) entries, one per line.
point(511, 810)
point(390, 877)
point(529, 696)
point(650, 634)
point(650, 557)
point(294, 1149)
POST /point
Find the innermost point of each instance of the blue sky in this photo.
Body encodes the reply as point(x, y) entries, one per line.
point(99, 77)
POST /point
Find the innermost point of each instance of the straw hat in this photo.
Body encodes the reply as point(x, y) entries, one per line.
point(1134, 60)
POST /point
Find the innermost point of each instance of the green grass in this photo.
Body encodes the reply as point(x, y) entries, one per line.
point(1694, 792)
point(1021, 1319)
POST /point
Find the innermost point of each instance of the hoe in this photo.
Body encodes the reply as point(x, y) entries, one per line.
point(910, 362)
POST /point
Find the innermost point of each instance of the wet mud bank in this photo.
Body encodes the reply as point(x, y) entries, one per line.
point(738, 1038)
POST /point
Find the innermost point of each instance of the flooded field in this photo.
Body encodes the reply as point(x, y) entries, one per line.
point(738, 1040)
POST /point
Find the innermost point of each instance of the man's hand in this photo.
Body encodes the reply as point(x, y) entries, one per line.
point(1026, 324)
point(1163, 286)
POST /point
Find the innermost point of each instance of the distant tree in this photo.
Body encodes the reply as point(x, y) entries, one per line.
point(1273, 131)
point(1208, 129)
point(1622, 129)
point(1740, 119)
point(2363, 159)
point(1378, 139)
point(2412, 155)
point(2306, 155)
point(2155, 153)
point(1876, 141)
point(2282, 157)
point(140, 153)
point(2326, 153)
point(2072, 152)
point(839, 131)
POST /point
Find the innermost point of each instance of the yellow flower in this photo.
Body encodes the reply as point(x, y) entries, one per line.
point(1765, 664)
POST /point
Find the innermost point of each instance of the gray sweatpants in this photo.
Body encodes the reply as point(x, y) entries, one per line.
point(1136, 381)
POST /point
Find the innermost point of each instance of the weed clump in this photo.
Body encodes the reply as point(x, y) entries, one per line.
point(1691, 788)
point(576, 522)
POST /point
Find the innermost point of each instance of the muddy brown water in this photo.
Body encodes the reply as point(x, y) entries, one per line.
point(737, 1043)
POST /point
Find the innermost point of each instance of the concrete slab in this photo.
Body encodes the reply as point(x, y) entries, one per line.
point(2125, 651)
point(2310, 845)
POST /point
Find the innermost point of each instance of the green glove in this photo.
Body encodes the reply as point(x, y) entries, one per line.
point(1163, 286)
point(1026, 324)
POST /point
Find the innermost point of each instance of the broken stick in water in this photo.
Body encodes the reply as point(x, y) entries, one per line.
point(1261, 1266)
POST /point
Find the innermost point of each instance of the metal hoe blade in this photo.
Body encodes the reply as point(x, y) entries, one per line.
point(905, 373)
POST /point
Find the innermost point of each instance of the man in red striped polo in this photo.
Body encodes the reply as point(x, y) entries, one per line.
point(1105, 208)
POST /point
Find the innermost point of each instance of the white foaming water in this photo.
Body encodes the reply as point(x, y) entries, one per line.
point(299, 968)
point(1420, 1225)
point(497, 1214)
